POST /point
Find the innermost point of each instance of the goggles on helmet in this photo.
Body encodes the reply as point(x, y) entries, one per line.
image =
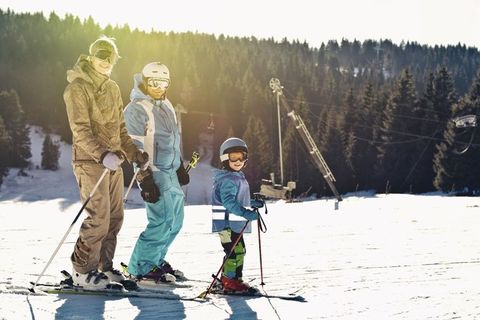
point(106, 55)
point(158, 83)
point(237, 156)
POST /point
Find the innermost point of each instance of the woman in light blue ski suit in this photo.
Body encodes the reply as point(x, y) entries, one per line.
point(151, 122)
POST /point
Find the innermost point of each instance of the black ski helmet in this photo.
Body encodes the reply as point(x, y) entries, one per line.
point(231, 145)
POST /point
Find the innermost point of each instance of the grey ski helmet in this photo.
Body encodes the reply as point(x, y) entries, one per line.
point(231, 145)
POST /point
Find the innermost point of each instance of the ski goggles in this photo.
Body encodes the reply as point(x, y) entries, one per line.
point(106, 55)
point(237, 156)
point(158, 83)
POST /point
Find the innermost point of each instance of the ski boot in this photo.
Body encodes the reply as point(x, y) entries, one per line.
point(159, 274)
point(92, 280)
point(168, 268)
point(236, 286)
point(114, 275)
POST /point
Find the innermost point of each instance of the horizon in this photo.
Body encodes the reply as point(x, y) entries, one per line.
point(413, 22)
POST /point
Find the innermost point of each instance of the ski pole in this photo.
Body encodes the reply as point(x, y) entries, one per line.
point(204, 294)
point(130, 186)
point(32, 289)
point(261, 226)
point(260, 253)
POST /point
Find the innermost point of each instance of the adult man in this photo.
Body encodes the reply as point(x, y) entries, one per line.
point(100, 140)
point(152, 123)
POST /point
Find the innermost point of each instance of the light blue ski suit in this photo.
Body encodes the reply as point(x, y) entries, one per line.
point(231, 194)
point(153, 127)
point(230, 197)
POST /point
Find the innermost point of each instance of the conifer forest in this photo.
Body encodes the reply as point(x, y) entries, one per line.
point(380, 112)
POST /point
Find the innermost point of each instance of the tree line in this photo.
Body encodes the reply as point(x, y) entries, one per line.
point(381, 113)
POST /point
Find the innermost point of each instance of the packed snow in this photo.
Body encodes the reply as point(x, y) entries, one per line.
point(376, 257)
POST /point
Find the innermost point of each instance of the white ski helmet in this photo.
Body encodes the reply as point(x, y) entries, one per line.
point(156, 70)
point(232, 145)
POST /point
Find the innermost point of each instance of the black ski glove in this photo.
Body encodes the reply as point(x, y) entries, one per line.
point(182, 175)
point(149, 190)
point(257, 203)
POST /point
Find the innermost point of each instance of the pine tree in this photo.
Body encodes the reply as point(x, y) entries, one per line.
point(333, 152)
point(459, 171)
point(5, 146)
point(359, 124)
point(50, 154)
point(260, 155)
point(17, 129)
point(397, 151)
point(435, 108)
point(423, 174)
point(345, 132)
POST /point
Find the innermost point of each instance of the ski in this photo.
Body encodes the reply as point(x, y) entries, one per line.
point(256, 294)
point(181, 282)
point(130, 288)
point(150, 284)
point(126, 288)
point(119, 291)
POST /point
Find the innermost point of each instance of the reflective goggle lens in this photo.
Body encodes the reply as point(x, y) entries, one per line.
point(158, 83)
point(106, 55)
point(234, 157)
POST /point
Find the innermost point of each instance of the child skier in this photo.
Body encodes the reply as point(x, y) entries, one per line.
point(231, 194)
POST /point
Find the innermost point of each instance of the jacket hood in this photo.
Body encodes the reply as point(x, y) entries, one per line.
point(84, 70)
point(136, 93)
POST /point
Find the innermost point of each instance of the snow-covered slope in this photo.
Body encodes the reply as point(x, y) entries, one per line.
point(377, 257)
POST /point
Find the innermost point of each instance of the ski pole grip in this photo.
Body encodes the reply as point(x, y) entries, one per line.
point(260, 197)
point(193, 161)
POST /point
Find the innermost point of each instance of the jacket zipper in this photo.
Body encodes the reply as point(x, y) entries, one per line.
point(172, 128)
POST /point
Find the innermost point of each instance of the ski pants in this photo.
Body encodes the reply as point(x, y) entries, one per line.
point(165, 219)
point(233, 267)
point(97, 240)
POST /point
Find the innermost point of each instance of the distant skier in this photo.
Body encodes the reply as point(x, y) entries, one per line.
point(231, 194)
point(100, 140)
point(152, 123)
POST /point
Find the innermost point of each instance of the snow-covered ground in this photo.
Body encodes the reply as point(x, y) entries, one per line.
point(376, 257)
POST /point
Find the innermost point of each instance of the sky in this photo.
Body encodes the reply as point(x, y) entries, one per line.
point(429, 22)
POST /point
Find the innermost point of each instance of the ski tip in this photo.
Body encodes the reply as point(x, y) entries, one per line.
point(298, 298)
point(203, 295)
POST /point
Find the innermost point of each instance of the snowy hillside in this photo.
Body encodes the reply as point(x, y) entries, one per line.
point(377, 257)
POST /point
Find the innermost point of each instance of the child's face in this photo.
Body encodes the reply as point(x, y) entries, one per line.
point(236, 160)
